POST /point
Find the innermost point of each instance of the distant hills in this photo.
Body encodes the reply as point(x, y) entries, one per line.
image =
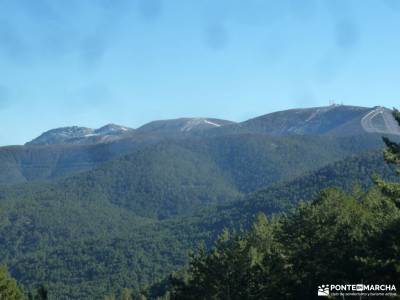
point(183, 125)
point(80, 135)
point(82, 243)
point(88, 211)
point(70, 150)
point(112, 132)
point(335, 120)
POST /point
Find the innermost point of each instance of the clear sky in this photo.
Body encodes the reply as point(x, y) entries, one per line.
point(92, 62)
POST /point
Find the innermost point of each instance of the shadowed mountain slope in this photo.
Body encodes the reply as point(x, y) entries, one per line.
point(84, 246)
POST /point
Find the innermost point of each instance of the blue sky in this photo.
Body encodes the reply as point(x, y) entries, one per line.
point(92, 62)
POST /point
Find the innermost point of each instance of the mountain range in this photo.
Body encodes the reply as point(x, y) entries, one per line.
point(69, 150)
point(88, 211)
point(335, 120)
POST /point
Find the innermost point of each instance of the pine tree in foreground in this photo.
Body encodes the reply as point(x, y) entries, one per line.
point(9, 289)
point(339, 237)
point(392, 156)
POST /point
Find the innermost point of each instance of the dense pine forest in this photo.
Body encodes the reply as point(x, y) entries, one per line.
point(236, 216)
point(199, 150)
point(339, 237)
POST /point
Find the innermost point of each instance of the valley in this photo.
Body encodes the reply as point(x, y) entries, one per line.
point(95, 216)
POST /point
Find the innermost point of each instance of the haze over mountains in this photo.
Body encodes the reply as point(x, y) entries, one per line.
point(63, 151)
point(111, 132)
point(127, 203)
point(335, 120)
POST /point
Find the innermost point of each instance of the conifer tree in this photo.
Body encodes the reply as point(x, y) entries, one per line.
point(126, 294)
point(387, 246)
point(392, 156)
point(8, 286)
point(41, 293)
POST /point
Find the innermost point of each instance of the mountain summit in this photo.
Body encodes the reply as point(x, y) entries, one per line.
point(338, 120)
point(80, 135)
point(183, 125)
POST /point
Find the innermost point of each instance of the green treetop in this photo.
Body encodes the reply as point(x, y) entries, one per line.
point(392, 156)
point(8, 286)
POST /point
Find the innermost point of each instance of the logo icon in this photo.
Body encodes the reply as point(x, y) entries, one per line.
point(359, 287)
point(323, 290)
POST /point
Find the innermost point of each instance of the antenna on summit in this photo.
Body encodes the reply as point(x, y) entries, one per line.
point(332, 102)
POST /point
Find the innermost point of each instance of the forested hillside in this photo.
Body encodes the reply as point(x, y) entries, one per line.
point(322, 135)
point(337, 239)
point(48, 239)
point(199, 150)
point(89, 220)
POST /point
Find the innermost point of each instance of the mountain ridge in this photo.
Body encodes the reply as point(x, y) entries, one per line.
point(338, 120)
point(69, 150)
point(90, 218)
point(325, 120)
point(80, 135)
